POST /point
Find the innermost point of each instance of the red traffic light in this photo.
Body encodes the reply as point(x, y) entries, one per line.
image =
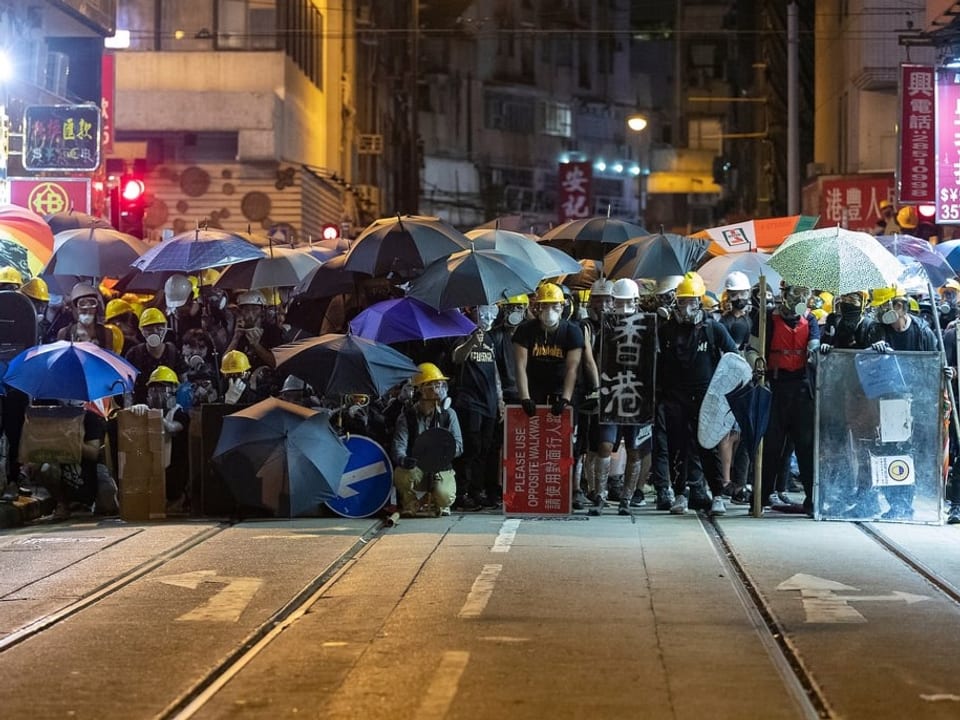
point(331, 232)
point(132, 189)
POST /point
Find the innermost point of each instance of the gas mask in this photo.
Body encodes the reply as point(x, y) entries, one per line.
point(665, 304)
point(161, 398)
point(204, 391)
point(194, 356)
point(154, 338)
point(625, 307)
point(739, 300)
point(688, 310)
point(793, 302)
point(486, 316)
point(86, 318)
point(436, 391)
point(514, 315)
point(890, 312)
point(550, 315)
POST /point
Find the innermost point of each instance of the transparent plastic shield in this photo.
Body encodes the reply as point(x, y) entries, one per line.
point(880, 437)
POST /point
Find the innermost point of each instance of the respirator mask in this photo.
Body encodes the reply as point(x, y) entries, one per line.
point(794, 301)
point(550, 316)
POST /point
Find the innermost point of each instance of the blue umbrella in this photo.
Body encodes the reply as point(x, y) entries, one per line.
point(910, 249)
point(70, 371)
point(198, 250)
point(402, 319)
point(750, 404)
point(281, 456)
point(950, 251)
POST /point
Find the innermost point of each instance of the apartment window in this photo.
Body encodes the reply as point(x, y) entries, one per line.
point(557, 119)
point(510, 113)
point(182, 25)
point(704, 134)
point(246, 24)
point(300, 27)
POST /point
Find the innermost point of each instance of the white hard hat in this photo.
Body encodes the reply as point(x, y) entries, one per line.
point(251, 298)
point(626, 289)
point(601, 288)
point(177, 290)
point(293, 383)
point(736, 281)
point(668, 284)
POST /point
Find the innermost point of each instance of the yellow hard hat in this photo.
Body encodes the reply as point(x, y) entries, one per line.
point(234, 363)
point(428, 372)
point(583, 296)
point(827, 298)
point(272, 296)
point(152, 316)
point(950, 284)
point(116, 338)
point(881, 296)
point(907, 218)
point(884, 204)
point(209, 277)
point(116, 307)
point(914, 305)
point(691, 286)
point(134, 301)
point(709, 301)
point(163, 374)
point(9, 274)
point(518, 300)
point(549, 293)
point(819, 313)
point(36, 289)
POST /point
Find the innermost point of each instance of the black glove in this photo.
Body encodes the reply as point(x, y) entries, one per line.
point(529, 407)
point(558, 406)
point(825, 348)
point(408, 463)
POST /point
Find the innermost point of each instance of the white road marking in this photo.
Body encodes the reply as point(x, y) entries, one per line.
point(361, 473)
point(480, 592)
point(301, 536)
point(443, 687)
point(227, 605)
point(504, 639)
point(334, 643)
point(937, 697)
point(506, 536)
point(823, 606)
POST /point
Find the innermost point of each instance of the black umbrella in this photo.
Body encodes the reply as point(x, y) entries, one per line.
point(590, 238)
point(654, 256)
point(281, 456)
point(474, 277)
point(340, 364)
point(72, 220)
point(591, 271)
point(327, 280)
point(403, 245)
point(750, 404)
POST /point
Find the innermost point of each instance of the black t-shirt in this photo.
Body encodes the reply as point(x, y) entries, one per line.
point(850, 337)
point(506, 363)
point(547, 355)
point(476, 379)
point(140, 357)
point(918, 336)
point(740, 328)
point(689, 354)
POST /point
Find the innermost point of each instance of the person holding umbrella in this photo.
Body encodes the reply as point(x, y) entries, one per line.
point(430, 412)
point(547, 351)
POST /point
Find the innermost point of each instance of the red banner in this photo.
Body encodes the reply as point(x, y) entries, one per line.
point(916, 182)
point(537, 462)
point(851, 201)
point(574, 197)
point(948, 146)
point(46, 196)
point(108, 82)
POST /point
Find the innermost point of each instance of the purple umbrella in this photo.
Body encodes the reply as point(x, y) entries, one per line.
point(909, 249)
point(407, 318)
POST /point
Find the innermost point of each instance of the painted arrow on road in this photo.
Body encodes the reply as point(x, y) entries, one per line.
point(822, 605)
point(227, 605)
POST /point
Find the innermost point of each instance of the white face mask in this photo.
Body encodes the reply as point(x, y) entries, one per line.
point(515, 317)
point(86, 319)
point(550, 317)
point(154, 341)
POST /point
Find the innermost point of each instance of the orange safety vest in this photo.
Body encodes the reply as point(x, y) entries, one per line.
point(788, 346)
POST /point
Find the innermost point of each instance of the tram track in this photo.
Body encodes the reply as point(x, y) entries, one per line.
point(104, 590)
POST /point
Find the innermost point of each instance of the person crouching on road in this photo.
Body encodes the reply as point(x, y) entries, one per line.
point(431, 409)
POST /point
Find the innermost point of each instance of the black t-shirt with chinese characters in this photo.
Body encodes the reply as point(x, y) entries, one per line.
point(547, 355)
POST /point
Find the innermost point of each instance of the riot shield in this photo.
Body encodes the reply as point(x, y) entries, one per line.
point(18, 324)
point(628, 368)
point(880, 432)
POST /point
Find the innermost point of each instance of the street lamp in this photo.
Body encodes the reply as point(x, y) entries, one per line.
point(637, 123)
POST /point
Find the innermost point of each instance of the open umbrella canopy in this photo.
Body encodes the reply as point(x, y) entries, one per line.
point(474, 277)
point(654, 256)
point(327, 280)
point(70, 371)
point(552, 261)
point(281, 456)
point(283, 267)
point(403, 245)
point(197, 250)
point(836, 260)
point(28, 229)
point(16, 254)
point(909, 249)
point(342, 364)
point(715, 270)
point(590, 271)
point(762, 233)
point(950, 251)
point(591, 237)
point(402, 319)
point(94, 252)
point(73, 220)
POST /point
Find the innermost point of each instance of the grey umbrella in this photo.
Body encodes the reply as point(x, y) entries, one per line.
point(404, 244)
point(552, 261)
point(93, 252)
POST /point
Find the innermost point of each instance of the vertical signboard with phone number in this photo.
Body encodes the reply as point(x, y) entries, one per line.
point(948, 146)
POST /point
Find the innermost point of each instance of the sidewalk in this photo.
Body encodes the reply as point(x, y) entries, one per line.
point(25, 509)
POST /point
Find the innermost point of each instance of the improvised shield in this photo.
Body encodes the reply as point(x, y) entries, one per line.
point(628, 368)
point(434, 450)
point(880, 423)
point(18, 324)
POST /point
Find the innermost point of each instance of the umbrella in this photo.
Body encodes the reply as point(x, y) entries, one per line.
point(474, 277)
point(340, 364)
point(94, 252)
point(516, 223)
point(754, 234)
point(282, 267)
point(281, 456)
point(910, 249)
point(654, 256)
point(70, 371)
point(750, 404)
point(72, 220)
point(197, 250)
point(321, 252)
point(950, 251)
point(327, 280)
point(836, 260)
point(28, 229)
point(404, 244)
point(15, 254)
point(715, 270)
point(591, 237)
point(552, 261)
point(402, 319)
point(590, 272)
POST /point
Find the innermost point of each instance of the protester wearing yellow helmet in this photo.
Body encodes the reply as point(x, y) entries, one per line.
point(235, 368)
point(10, 278)
point(513, 311)
point(949, 292)
point(36, 290)
point(153, 352)
point(430, 410)
point(120, 314)
point(547, 352)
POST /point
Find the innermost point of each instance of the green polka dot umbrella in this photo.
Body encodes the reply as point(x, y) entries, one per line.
point(836, 260)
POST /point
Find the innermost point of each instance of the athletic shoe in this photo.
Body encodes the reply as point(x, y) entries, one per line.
point(699, 500)
point(665, 498)
point(740, 496)
point(579, 500)
point(638, 500)
point(953, 516)
point(679, 506)
point(717, 507)
point(624, 507)
point(441, 512)
point(774, 500)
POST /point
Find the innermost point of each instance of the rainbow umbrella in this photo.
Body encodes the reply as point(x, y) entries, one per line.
point(28, 229)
